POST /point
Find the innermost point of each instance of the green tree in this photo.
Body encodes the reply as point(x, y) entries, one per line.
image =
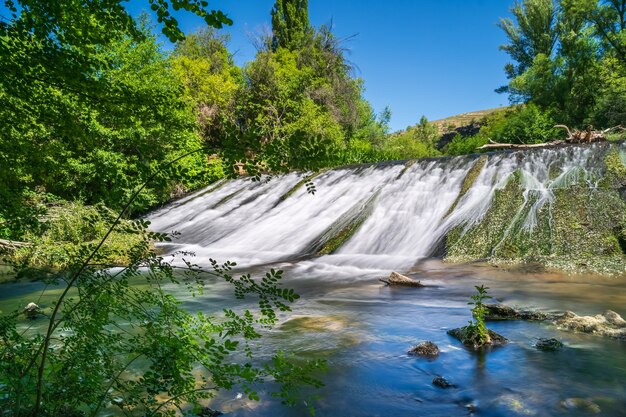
point(290, 23)
point(532, 33)
point(608, 19)
point(211, 82)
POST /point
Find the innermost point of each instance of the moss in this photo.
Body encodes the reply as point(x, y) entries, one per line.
point(582, 229)
point(341, 237)
point(615, 163)
point(344, 228)
point(298, 185)
point(468, 181)
point(228, 198)
point(479, 241)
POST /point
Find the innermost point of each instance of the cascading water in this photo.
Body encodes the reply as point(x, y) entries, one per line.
point(401, 212)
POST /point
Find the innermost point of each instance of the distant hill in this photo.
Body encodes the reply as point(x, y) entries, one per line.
point(463, 119)
point(443, 131)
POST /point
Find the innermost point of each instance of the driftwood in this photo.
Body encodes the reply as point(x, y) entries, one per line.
point(576, 136)
point(400, 280)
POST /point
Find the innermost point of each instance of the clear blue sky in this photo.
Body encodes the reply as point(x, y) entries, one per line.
point(420, 57)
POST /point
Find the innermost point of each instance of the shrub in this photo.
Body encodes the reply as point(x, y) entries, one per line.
point(523, 124)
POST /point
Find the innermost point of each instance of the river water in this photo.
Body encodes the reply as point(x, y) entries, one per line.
point(364, 328)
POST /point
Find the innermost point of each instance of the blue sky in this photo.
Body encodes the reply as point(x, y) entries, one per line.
point(419, 57)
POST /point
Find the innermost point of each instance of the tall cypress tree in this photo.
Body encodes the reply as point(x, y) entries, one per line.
point(290, 23)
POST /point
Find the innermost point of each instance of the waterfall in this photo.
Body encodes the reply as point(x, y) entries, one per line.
point(379, 216)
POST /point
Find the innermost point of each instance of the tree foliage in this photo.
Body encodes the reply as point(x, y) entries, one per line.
point(290, 24)
point(533, 33)
point(569, 58)
point(118, 339)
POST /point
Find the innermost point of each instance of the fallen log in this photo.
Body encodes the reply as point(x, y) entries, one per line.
point(496, 145)
point(575, 136)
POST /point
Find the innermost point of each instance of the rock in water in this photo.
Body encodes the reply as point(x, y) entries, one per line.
point(607, 324)
point(469, 339)
point(582, 404)
point(400, 280)
point(32, 310)
point(548, 345)
point(209, 412)
point(427, 349)
point(441, 382)
point(503, 312)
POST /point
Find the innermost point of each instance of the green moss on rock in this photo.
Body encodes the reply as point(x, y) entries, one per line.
point(344, 228)
point(228, 198)
point(298, 185)
point(580, 229)
point(341, 237)
point(479, 241)
point(615, 162)
point(468, 181)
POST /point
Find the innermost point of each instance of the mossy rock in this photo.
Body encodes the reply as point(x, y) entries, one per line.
point(579, 228)
point(298, 185)
point(479, 241)
point(469, 337)
point(468, 181)
point(344, 228)
point(615, 163)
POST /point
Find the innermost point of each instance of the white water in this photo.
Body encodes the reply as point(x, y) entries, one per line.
point(407, 220)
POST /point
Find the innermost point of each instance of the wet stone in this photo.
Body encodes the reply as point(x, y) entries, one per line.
point(504, 312)
point(426, 349)
point(400, 280)
point(441, 382)
point(209, 412)
point(548, 345)
point(580, 404)
point(32, 310)
point(466, 336)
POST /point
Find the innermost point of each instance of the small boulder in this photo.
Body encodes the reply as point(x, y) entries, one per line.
point(548, 345)
point(504, 312)
point(426, 349)
point(608, 323)
point(400, 280)
point(209, 412)
point(441, 382)
point(580, 404)
point(32, 310)
point(468, 337)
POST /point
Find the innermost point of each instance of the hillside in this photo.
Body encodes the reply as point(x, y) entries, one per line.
point(449, 123)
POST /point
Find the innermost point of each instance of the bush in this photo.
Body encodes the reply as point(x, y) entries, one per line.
point(523, 124)
point(65, 230)
point(461, 145)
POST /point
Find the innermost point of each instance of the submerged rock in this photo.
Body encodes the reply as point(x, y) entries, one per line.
point(209, 412)
point(582, 404)
point(607, 324)
point(515, 405)
point(548, 345)
point(396, 279)
point(469, 338)
point(427, 349)
point(441, 382)
point(32, 310)
point(503, 312)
